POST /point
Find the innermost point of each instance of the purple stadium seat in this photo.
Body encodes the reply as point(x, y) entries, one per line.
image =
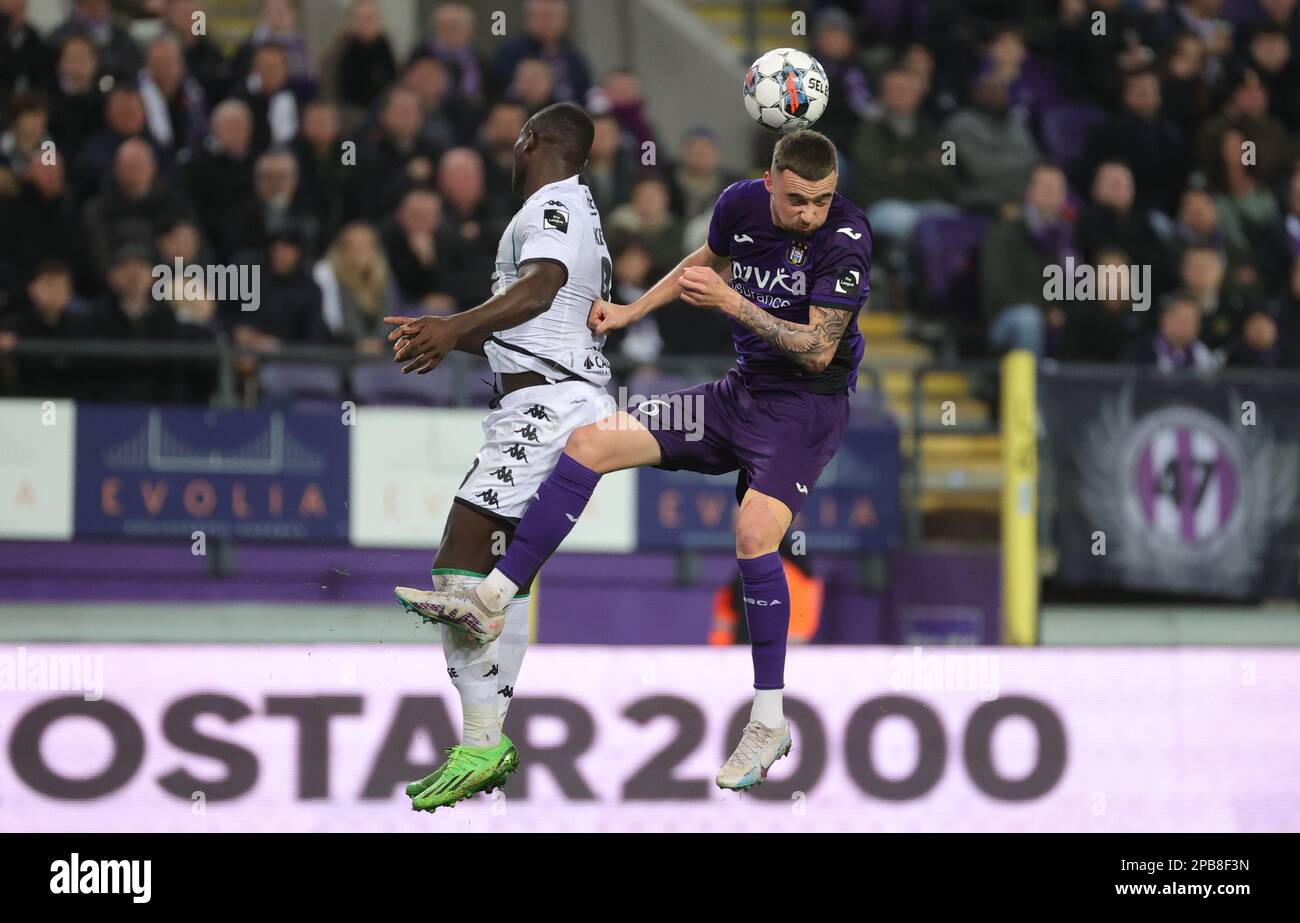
point(384, 383)
point(1065, 131)
point(297, 381)
point(947, 255)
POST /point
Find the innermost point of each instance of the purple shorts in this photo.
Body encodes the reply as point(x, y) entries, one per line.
point(779, 440)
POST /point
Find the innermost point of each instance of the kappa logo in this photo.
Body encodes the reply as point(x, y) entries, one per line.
point(489, 497)
point(742, 238)
point(856, 235)
point(802, 488)
point(557, 219)
point(504, 475)
point(537, 412)
point(517, 453)
point(847, 281)
point(762, 602)
point(529, 432)
point(496, 668)
point(507, 691)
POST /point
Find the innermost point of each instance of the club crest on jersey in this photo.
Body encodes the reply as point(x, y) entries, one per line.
point(557, 219)
point(798, 253)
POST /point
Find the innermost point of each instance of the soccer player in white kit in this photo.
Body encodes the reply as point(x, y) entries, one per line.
point(551, 265)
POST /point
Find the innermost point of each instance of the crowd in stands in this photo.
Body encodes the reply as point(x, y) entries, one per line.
point(988, 140)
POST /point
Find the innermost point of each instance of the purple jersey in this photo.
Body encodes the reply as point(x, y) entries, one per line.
point(783, 274)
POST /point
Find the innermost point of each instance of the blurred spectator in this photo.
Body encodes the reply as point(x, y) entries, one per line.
point(995, 151)
point(1199, 18)
point(1140, 136)
point(25, 138)
point(533, 86)
point(76, 103)
point(124, 118)
point(472, 223)
point(807, 593)
point(698, 176)
point(452, 43)
point(648, 219)
point(1260, 344)
point(496, 142)
point(357, 289)
point(269, 98)
point(397, 156)
point(27, 62)
point(410, 244)
point(1187, 99)
point(896, 161)
point(40, 222)
point(119, 56)
point(1272, 57)
point(174, 104)
point(447, 122)
point(1104, 328)
point(51, 311)
point(361, 65)
point(850, 102)
point(546, 25)
point(1246, 113)
point(1198, 224)
point(640, 343)
point(1029, 86)
point(278, 26)
point(619, 95)
point(1096, 59)
point(1250, 218)
point(290, 309)
point(203, 59)
point(134, 204)
point(1201, 276)
point(1291, 220)
point(1175, 346)
point(220, 173)
point(1013, 260)
point(611, 167)
point(322, 175)
point(1112, 219)
point(276, 205)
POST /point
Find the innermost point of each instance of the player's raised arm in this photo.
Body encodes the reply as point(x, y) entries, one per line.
point(429, 339)
point(607, 316)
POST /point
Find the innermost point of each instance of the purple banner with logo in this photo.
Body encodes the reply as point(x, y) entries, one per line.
point(854, 506)
point(1175, 484)
point(155, 472)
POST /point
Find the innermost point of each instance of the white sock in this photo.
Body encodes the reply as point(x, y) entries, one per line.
point(513, 645)
point(768, 709)
point(473, 671)
point(496, 590)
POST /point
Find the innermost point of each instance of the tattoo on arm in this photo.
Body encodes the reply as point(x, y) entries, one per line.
point(811, 345)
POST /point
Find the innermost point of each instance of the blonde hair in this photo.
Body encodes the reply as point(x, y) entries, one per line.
point(368, 283)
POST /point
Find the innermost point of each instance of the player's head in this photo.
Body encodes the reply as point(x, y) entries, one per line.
point(558, 136)
point(802, 181)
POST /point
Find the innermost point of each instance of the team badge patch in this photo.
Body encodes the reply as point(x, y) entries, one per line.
point(848, 281)
point(557, 219)
point(798, 253)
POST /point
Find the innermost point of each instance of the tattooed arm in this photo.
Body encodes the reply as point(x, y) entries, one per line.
point(811, 345)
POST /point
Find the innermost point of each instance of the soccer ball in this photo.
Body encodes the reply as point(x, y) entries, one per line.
point(786, 89)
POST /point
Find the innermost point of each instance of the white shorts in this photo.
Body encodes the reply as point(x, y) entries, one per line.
point(522, 441)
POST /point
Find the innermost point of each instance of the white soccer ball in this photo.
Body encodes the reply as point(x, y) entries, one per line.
point(786, 89)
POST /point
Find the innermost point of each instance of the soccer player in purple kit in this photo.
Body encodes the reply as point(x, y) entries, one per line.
point(799, 256)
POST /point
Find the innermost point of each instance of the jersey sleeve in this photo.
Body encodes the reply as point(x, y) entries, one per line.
point(547, 230)
point(843, 277)
point(720, 223)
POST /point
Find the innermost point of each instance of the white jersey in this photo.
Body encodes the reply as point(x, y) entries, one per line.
point(559, 222)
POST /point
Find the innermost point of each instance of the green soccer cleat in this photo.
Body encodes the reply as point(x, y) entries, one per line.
point(468, 770)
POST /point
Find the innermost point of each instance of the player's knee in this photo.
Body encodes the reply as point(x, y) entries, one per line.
point(755, 537)
point(586, 447)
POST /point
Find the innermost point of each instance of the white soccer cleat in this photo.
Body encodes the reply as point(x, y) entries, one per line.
point(760, 746)
point(456, 608)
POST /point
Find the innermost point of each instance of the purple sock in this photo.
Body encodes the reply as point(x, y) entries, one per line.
point(767, 612)
point(549, 519)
